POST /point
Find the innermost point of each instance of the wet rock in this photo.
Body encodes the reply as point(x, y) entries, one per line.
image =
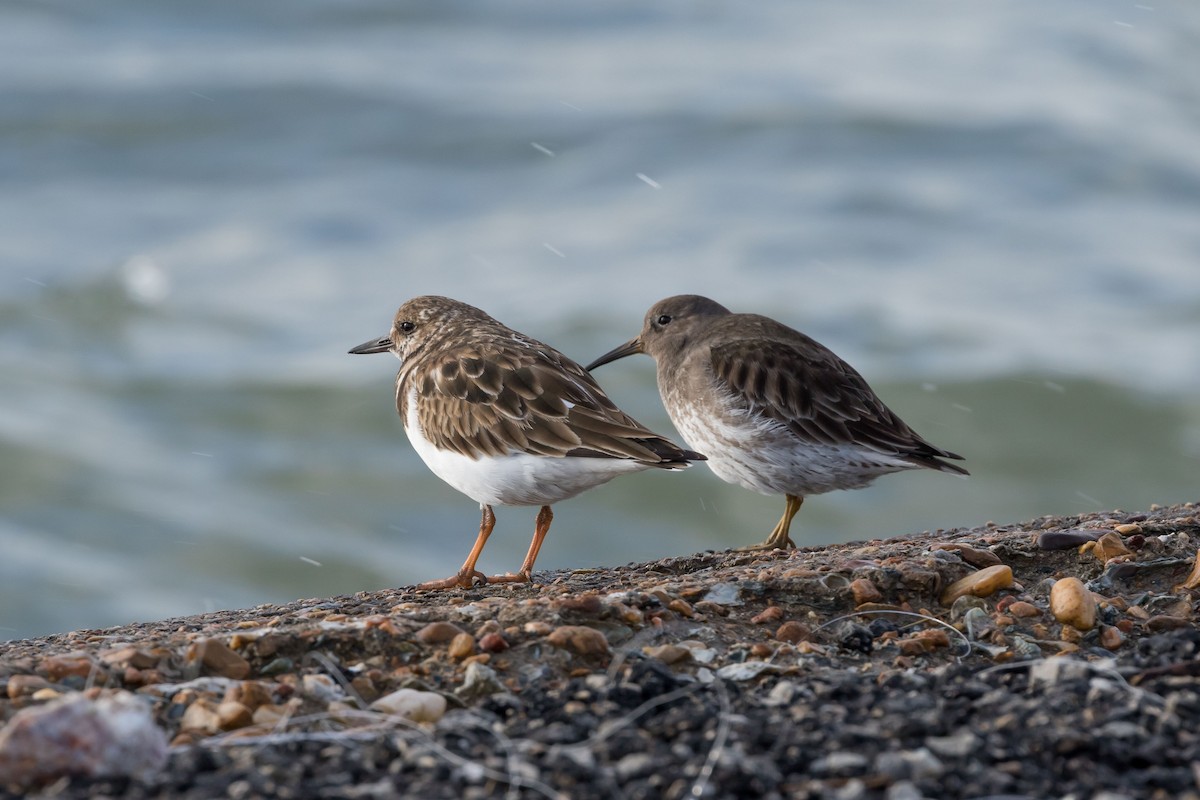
point(983, 583)
point(113, 735)
point(1061, 540)
point(218, 659)
point(412, 704)
point(579, 639)
point(1072, 604)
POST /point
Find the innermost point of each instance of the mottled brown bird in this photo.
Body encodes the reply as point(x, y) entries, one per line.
point(507, 420)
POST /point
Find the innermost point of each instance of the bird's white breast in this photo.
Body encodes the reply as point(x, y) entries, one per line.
point(516, 479)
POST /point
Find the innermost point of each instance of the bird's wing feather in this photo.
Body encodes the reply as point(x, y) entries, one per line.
point(528, 399)
point(818, 397)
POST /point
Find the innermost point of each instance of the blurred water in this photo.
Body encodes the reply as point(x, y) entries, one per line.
point(991, 210)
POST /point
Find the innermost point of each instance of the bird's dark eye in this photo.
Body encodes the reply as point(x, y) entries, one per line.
point(663, 319)
point(406, 326)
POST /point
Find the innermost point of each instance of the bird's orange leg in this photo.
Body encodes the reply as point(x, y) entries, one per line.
point(541, 528)
point(468, 575)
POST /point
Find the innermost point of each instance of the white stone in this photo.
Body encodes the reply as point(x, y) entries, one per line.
point(412, 704)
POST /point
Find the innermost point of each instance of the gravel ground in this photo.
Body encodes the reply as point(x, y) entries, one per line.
point(1056, 658)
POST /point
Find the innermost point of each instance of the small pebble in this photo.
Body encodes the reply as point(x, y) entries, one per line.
point(793, 631)
point(761, 650)
point(1164, 622)
point(537, 627)
point(1024, 610)
point(681, 607)
point(321, 688)
point(983, 583)
point(1111, 638)
point(461, 646)
point(668, 653)
point(438, 633)
point(1072, 604)
point(1061, 540)
point(579, 639)
point(412, 704)
point(767, 615)
point(1109, 546)
point(479, 680)
point(581, 604)
point(269, 716)
point(972, 555)
point(20, 685)
point(232, 715)
point(1193, 579)
point(200, 717)
point(218, 659)
point(59, 667)
point(251, 694)
point(493, 643)
point(865, 591)
point(726, 594)
point(130, 656)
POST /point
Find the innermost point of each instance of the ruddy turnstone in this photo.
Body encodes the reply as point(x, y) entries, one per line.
point(507, 420)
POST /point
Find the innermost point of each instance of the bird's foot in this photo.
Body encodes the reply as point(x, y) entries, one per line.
point(460, 580)
point(783, 543)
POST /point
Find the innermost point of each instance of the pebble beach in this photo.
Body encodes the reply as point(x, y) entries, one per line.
point(1055, 657)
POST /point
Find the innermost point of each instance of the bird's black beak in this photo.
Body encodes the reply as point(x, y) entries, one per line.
point(374, 346)
point(632, 347)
